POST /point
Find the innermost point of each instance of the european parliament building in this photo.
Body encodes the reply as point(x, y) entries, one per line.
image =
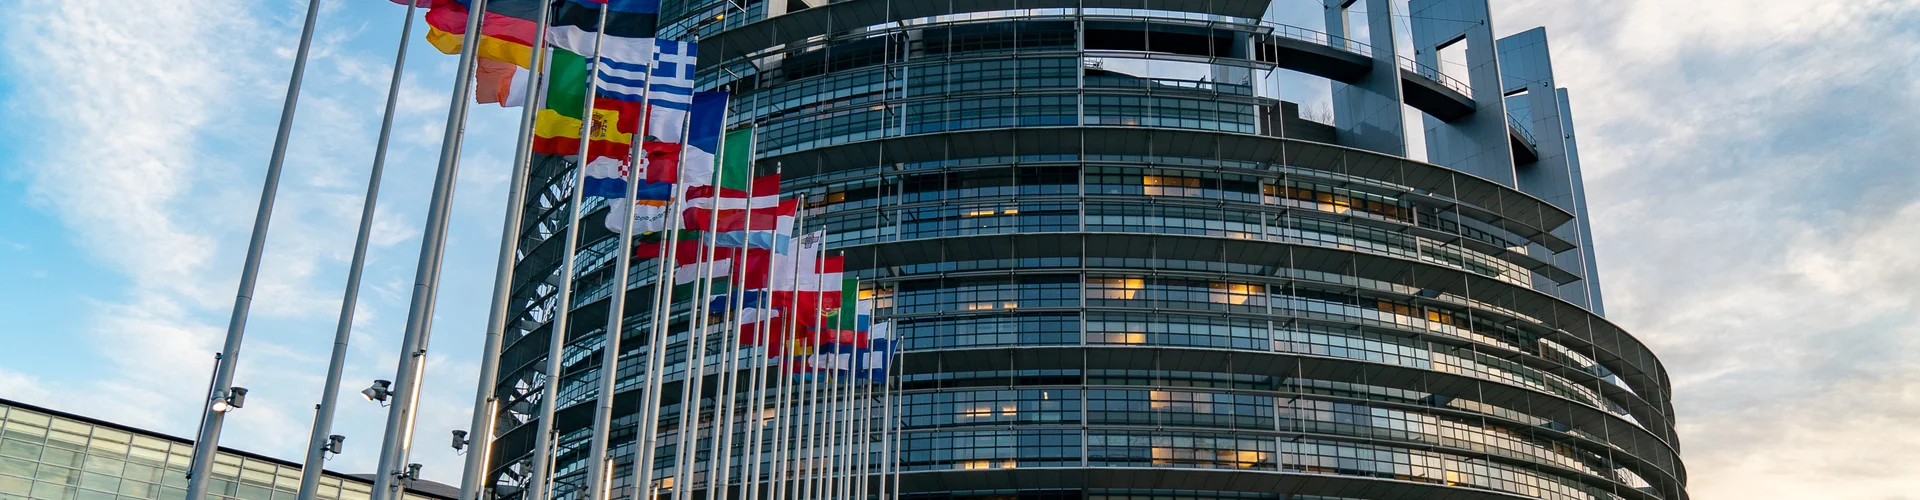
point(1122, 267)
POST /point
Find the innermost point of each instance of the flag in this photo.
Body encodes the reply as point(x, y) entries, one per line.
point(628, 34)
point(557, 128)
point(670, 91)
point(842, 322)
point(648, 216)
point(761, 219)
point(506, 31)
point(707, 116)
point(653, 246)
point(736, 165)
point(492, 81)
point(605, 178)
point(669, 98)
point(651, 205)
point(877, 359)
point(765, 190)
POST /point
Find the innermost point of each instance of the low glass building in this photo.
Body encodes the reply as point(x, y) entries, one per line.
point(1123, 267)
point(52, 455)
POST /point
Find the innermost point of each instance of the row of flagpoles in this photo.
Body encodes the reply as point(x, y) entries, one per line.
point(762, 298)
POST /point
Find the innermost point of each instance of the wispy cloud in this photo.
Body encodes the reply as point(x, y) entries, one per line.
point(1750, 168)
point(152, 122)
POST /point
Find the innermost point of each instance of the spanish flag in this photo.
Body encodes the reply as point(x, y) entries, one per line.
point(556, 129)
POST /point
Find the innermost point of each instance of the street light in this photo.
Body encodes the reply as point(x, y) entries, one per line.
point(236, 399)
point(378, 391)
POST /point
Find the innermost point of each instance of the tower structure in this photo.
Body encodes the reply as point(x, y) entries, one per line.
point(1122, 268)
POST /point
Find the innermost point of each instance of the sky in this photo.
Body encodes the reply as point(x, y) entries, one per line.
point(1750, 171)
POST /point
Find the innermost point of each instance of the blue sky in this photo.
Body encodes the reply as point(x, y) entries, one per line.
point(1750, 169)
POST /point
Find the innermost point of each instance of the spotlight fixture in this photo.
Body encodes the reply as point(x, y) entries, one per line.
point(234, 399)
point(334, 443)
point(378, 391)
point(459, 440)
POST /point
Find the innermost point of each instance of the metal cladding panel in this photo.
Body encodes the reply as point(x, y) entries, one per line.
point(1535, 216)
point(838, 17)
point(1141, 478)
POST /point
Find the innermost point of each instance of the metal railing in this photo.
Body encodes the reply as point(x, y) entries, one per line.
point(1522, 129)
point(1318, 37)
point(1431, 73)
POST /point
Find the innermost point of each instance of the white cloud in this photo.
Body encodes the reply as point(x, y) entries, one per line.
point(1750, 178)
point(178, 102)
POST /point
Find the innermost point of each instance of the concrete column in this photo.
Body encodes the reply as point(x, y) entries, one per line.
point(1366, 113)
point(1476, 143)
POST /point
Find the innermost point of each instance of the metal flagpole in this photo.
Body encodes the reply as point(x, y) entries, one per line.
point(696, 372)
point(808, 405)
point(781, 435)
point(897, 421)
point(323, 414)
point(647, 436)
point(213, 416)
point(413, 343)
point(886, 415)
point(756, 395)
point(723, 444)
point(866, 409)
point(484, 401)
point(617, 305)
point(557, 325)
point(811, 477)
point(845, 470)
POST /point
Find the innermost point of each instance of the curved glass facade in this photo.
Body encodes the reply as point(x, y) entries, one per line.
point(1122, 268)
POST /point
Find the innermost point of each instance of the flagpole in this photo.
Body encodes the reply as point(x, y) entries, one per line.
point(480, 431)
point(896, 384)
point(617, 305)
point(887, 433)
point(864, 378)
point(814, 452)
point(323, 414)
point(756, 394)
point(693, 379)
point(647, 436)
point(401, 415)
point(562, 308)
point(777, 481)
point(730, 361)
point(807, 404)
point(845, 470)
point(703, 287)
point(208, 439)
